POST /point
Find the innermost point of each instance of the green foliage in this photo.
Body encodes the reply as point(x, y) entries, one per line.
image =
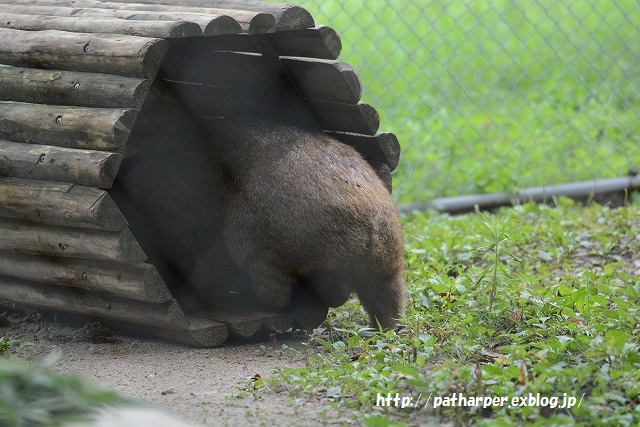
point(11, 345)
point(31, 395)
point(496, 230)
point(495, 96)
point(563, 323)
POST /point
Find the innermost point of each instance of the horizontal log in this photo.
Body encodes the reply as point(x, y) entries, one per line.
point(249, 21)
point(31, 85)
point(382, 147)
point(53, 203)
point(26, 238)
point(99, 53)
point(288, 17)
point(318, 42)
point(159, 29)
point(72, 127)
point(47, 163)
point(324, 80)
point(243, 325)
point(201, 333)
point(333, 116)
point(140, 282)
point(25, 294)
point(209, 23)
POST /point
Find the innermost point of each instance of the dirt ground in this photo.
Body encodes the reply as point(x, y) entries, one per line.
point(209, 387)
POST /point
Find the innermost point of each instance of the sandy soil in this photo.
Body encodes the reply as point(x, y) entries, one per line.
point(200, 386)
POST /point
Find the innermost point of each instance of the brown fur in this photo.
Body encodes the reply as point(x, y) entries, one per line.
point(250, 204)
point(301, 206)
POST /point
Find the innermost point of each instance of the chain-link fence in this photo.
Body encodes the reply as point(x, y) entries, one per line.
point(490, 96)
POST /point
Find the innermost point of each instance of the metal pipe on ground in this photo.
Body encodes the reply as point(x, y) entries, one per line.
point(603, 190)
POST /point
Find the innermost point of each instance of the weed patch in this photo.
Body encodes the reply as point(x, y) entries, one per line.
point(535, 305)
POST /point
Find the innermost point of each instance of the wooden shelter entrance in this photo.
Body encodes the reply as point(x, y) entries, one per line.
point(82, 87)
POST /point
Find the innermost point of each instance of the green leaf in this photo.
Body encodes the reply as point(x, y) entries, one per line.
point(616, 339)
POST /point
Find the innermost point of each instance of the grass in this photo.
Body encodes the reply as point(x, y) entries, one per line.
point(11, 346)
point(496, 96)
point(31, 395)
point(532, 302)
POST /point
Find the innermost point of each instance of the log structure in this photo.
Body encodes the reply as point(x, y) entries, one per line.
point(84, 82)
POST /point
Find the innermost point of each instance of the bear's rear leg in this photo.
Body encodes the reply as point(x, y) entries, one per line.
point(330, 286)
point(272, 282)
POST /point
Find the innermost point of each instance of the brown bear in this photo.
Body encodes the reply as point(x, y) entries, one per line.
point(258, 204)
point(301, 206)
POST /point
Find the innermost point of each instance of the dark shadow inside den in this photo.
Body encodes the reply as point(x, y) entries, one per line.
point(166, 186)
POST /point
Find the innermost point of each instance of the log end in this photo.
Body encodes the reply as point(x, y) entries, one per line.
point(104, 212)
point(381, 147)
point(262, 23)
point(293, 18)
point(391, 147)
point(123, 125)
point(205, 333)
point(140, 93)
point(371, 116)
point(200, 333)
point(130, 248)
point(154, 287)
point(222, 25)
point(184, 29)
point(352, 81)
point(108, 169)
point(331, 40)
point(240, 325)
point(152, 55)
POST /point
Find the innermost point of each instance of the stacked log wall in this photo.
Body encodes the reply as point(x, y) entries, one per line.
point(74, 79)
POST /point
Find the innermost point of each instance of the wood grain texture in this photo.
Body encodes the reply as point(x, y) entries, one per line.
point(242, 325)
point(324, 80)
point(53, 203)
point(360, 118)
point(23, 293)
point(110, 25)
point(102, 53)
point(140, 282)
point(212, 20)
point(26, 238)
point(19, 84)
point(201, 333)
point(381, 147)
point(210, 24)
point(318, 42)
point(287, 16)
point(102, 129)
point(44, 162)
